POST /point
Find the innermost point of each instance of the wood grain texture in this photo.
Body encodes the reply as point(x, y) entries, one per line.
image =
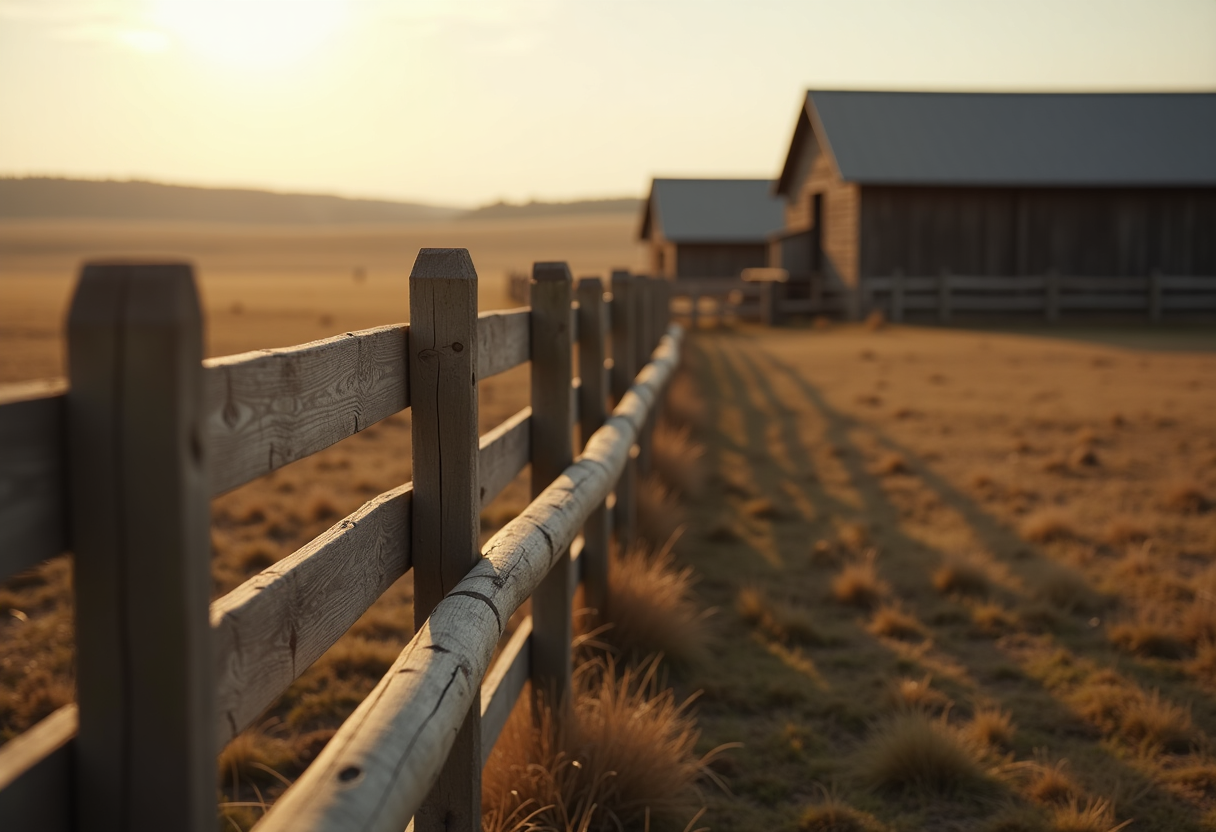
point(504, 451)
point(36, 776)
point(444, 357)
point(593, 410)
point(375, 772)
point(271, 628)
point(33, 482)
point(552, 453)
point(503, 685)
point(503, 339)
point(267, 408)
point(624, 323)
point(140, 514)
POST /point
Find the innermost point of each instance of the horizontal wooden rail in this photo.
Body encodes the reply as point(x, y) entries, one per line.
point(503, 341)
point(36, 773)
point(33, 526)
point(376, 771)
point(267, 408)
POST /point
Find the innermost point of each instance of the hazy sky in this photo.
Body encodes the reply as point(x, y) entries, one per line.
point(468, 101)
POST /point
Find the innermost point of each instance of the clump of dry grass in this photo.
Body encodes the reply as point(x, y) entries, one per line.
point(918, 695)
point(992, 727)
point(762, 509)
point(824, 554)
point(892, 464)
point(892, 622)
point(652, 607)
point(959, 577)
point(1124, 532)
point(1048, 524)
point(678, 459)
point(778, 620)
point(1065, 590)
point(1145, 720)
point(1147, 636)
point(857, 584)
point(913, 752)
point(991, 619)
point(832, 814)
point(1051, 784)
point(659, 512)
point(1094, 816)
point(683, 405)
point(256, 757)
point(853, 537)
point(1187, 497)
point(624, 758)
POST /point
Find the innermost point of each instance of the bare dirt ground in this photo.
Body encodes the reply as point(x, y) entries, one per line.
point(1003, 542)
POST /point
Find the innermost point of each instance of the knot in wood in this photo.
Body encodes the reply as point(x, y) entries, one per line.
point(457, 346)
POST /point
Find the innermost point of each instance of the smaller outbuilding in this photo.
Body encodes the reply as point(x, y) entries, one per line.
point(709, 228)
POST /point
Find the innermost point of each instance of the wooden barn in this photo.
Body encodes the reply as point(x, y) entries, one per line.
point(709, 228)
point(1010, 184)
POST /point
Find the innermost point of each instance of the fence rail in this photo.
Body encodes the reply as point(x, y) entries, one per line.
point(130, 454)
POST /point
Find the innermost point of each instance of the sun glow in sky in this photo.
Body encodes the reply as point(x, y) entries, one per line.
point(468, 101)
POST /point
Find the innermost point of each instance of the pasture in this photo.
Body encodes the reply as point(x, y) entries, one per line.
point(958, 579)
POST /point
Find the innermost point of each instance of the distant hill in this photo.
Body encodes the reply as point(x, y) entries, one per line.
point(49, 198)
point(506, 210)
point(53, 198)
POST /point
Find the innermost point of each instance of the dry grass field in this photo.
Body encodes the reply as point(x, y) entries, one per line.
point(930, 579)
point(963, 580)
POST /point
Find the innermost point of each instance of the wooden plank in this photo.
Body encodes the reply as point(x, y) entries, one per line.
point(444, 361)
point(1154, 297)
point(1138, 302)
point(897, 296)
point(503, 685)
point(1182, 283)
point(943, 297)
point(375, 772)
point(36, 776)
point(267, 408)
point(271, 628)
point(624, 368)
point(552, 453)
point(593, 410)
point(504, 452)
point(1051, 296)
point(971, 283)
point(140, 514)
point(1073, 283)
point(33, 488)
point(1009, 303)
point(502, 339)
point(1177, 302)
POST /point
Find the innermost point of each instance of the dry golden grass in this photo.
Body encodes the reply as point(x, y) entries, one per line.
point(1093, 816)
point(678, 459)
point(659, 512)
point(913, 752)
point(777, 619)
point(1052, 784)
point(1124, 532)
point(833, 814)
point(857, 584)
point(918, 695)
point(1047, 525)
point(959, 577)
point(652, 608)
point(625, 758)
point(892, 622)
point(1187, 497)
point(992, 727)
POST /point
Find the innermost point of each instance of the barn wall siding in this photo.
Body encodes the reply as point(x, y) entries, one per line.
point(815, 173)
point(695, 260)
point(1010, 231)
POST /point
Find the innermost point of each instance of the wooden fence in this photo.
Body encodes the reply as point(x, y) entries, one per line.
point(1157, 297)
point(120, 467)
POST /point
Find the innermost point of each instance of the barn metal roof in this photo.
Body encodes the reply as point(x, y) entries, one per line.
point(1043, 139)
point(713, 210)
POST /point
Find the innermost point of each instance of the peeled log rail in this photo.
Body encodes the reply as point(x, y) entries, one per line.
point(380, 765)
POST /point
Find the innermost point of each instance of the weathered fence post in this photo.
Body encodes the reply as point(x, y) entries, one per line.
point(446, 521)
point(897, 296)
point(592, 411)
point(1154, 296)
point(943, 296)
point(552, 453)
point(1051, 286)
point(140, 513)
point(624, 368)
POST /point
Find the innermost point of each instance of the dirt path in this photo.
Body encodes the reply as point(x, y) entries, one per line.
point(1013, 496)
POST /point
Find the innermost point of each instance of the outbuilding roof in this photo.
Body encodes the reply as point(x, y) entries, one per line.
point(712, 210)
point(1027, 139)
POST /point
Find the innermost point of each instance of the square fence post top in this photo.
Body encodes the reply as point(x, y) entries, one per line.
point(550, 272)
point(443, 264)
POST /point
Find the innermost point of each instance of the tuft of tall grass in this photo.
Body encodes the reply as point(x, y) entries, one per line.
point(857, 584)
point(678, 459)
point(958, 577)
point(1094, 816)
point(623, 757)
point(992, 727)
point(660, 514)
point(777, 619)
point(892, 622)
point(652, 607)
point(913, 752)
